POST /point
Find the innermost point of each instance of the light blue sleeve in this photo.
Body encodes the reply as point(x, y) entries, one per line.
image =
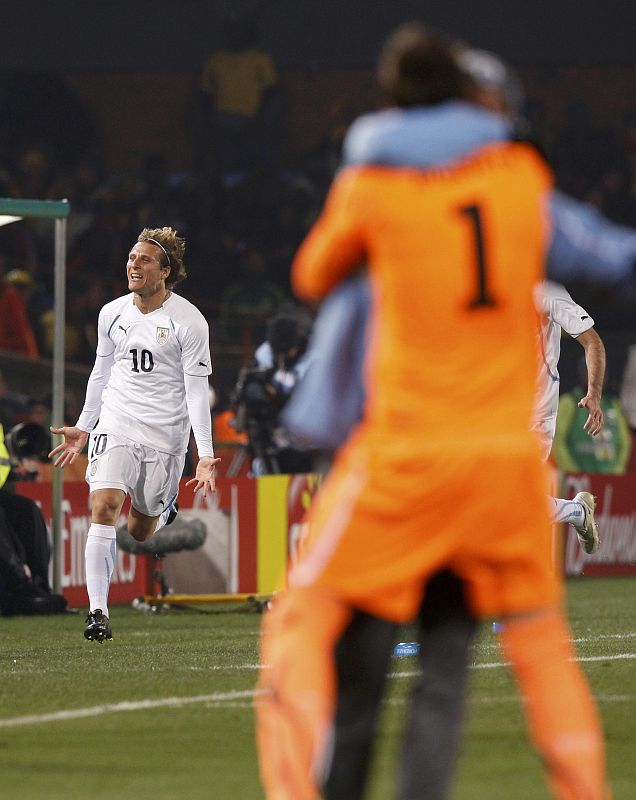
point(585, 244)
point(328, 402)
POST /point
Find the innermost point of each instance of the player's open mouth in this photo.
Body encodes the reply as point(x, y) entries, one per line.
point(135, 276)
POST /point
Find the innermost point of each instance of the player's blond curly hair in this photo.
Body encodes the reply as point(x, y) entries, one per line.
point(173, 248)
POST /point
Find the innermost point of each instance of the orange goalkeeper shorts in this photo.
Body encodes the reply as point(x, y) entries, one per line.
point(381, 525)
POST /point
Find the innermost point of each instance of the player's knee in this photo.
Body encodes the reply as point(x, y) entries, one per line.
point(105, 510)
point(141, 530)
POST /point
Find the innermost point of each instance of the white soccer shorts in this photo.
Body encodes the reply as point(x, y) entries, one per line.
point(150, 477)
point(545, 428)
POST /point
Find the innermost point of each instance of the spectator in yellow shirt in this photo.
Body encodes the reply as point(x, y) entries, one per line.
point(237, 82)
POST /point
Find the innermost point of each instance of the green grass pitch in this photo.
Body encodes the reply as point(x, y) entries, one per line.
point(164, 711)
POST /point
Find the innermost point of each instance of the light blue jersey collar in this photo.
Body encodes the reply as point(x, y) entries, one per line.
point(423, 136)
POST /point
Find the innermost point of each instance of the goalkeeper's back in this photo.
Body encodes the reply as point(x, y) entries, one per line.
point(453, 256)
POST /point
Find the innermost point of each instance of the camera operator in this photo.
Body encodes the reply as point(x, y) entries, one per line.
point(24, 543)
point(263, 390)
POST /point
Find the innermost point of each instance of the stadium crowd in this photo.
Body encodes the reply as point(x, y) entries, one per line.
point(243, 224)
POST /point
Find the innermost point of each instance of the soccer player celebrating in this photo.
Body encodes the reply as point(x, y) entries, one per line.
point(561, 313)
point(148, 387)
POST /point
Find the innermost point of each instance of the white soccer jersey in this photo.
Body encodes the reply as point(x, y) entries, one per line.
point(145, 398)
point(558, 311)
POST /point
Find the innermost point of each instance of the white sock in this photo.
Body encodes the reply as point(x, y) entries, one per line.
point(161, 521)
point(100, 562)
point(568, 511)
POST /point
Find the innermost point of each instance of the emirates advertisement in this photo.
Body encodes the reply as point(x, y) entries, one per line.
point(253, 527)
point(131, 574)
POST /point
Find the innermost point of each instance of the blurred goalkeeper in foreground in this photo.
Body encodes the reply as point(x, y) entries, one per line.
point(448, 213)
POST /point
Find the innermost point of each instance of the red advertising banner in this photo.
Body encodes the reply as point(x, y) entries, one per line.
point(255, 528)
point(616, 518)
point(234, 502)
point(130, 577)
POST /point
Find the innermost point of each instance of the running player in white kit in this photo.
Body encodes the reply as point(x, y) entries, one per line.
point(559, 311)
point(148, 387)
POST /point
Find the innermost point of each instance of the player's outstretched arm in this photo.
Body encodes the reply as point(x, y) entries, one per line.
point(595, 362)
point(205, 475)
point(74, 441)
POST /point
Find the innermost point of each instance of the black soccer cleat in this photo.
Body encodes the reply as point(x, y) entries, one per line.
point(97, 626)
point(174, 510)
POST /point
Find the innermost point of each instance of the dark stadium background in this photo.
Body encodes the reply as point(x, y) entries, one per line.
point(113, 85)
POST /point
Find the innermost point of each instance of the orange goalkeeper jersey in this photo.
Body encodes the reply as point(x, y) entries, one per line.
point(453, 255)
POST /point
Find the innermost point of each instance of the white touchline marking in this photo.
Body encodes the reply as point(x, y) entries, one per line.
point(218, 698)
point(498, 664)
point(228, 704)
point(219, 667)
point(604, 636)
point(126, 705)
point(618, 656)
point(485, 644)
point(512, 698)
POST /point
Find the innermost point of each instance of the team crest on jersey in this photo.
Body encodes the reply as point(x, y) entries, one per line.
point(162, 335)
point(93, 468)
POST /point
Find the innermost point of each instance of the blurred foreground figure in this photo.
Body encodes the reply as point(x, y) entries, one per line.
point(414, 517)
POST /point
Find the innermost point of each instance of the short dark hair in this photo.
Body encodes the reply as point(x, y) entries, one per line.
point(418, 67)
point(285, 330)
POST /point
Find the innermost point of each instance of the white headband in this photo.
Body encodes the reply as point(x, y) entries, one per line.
point(154, 241)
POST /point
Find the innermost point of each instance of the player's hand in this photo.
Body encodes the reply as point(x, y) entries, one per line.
point(71, 447)
point(595, 420)
point(205, 475)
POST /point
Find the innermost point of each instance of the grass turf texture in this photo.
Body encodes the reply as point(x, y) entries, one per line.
point(180, 747)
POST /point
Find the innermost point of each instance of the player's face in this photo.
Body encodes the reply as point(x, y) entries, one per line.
point(145, 274)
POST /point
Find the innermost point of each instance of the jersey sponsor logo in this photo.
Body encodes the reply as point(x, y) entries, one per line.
point(125, 330)
point(162, 335)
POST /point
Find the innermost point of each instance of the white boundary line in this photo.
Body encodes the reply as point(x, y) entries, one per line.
point(617, 657)
point(132, 705)
point(211, 700)
point(498, 664)
point(514, 698)
point(604, 636)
